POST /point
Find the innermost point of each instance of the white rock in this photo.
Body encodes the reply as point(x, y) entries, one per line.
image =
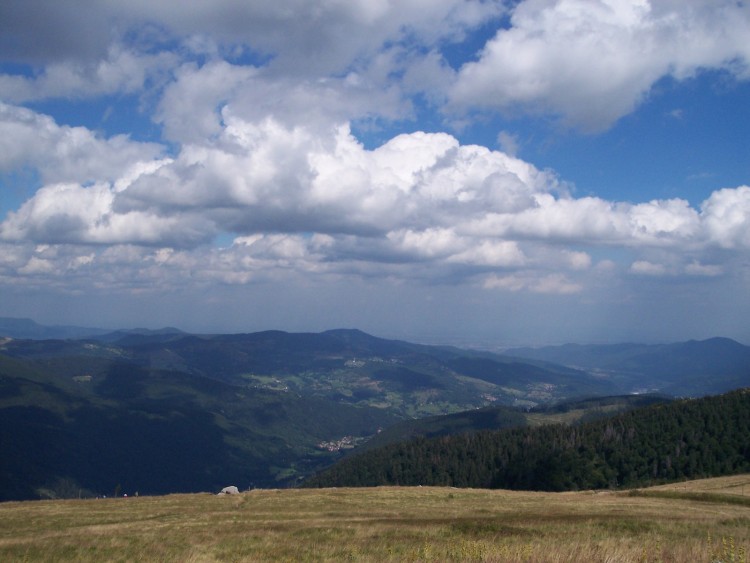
point(231, 490)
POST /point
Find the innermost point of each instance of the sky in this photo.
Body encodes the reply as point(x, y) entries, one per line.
point(471, 172)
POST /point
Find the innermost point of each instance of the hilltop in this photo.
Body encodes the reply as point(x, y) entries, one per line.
point(695, 521)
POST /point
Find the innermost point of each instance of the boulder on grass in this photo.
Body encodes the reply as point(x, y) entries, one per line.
point(231, 490)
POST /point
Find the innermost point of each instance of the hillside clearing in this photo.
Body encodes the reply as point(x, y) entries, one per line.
point(385, 524)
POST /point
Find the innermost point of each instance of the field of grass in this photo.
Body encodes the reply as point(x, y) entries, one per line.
point(663, 524)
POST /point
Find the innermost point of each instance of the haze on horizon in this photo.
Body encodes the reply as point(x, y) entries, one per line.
point(519, 172)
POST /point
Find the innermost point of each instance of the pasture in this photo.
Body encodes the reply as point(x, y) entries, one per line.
point(696, 521)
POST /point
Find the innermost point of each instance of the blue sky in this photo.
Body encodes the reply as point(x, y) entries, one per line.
point(460, 171)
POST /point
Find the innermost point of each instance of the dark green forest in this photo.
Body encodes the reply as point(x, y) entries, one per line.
point(684, 439)
point(153, 431)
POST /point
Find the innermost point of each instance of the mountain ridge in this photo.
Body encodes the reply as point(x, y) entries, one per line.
point(681, 368)
point(271, 407)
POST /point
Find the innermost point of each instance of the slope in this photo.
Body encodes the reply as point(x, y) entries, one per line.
point(680, 440)
point(346, 366)
point(156, 431)
point(501, 417)
point(696, 367)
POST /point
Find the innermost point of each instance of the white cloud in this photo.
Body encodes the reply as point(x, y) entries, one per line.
point(557, 284)
point(264, 153)
point(426, 74)
point(491, 253)
point(593, 61)
point(320, 37)
point(647, 268)
point(427, 244)
point(313, 37)
point(307, 200)
point(265, 176)
point(74, 214)
point(577, 260)
point(62, 153)
point(348, 60)
point(121, 71)
point(267, 187)
point(190, 107)
point(37, 266)
point(726, 217)
point(695, 268)
point(508, 282)
point(656, 223)
point(81, 261)
point(355, 59)
point(663, 221)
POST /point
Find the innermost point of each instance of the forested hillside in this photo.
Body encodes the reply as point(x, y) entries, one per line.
point(679, 440)
point(127, 428)
point(164, 411)
point(500, 417)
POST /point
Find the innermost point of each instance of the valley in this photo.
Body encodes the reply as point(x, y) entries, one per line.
point(166, 411)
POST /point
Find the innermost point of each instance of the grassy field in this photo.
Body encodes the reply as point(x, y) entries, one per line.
point(692, 522)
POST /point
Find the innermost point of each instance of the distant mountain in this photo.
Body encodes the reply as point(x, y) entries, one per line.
point(27, 328)
point(347, 366)
point(134, 336)
point(693, 368)
point(12, 327)
point(163, 411)
point(166, 411)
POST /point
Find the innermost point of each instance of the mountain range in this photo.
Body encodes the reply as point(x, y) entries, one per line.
point(161, 411)
point(693, 368)
point(28, 328)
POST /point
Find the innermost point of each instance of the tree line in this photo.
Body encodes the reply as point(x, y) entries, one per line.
point(684, 439)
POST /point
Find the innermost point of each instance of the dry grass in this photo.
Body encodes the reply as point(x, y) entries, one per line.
point(383, 524)
point(732, 485)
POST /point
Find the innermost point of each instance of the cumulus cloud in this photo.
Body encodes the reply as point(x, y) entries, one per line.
point(120, 71)
point(65, 154)
point(659, 223)
point(74, 214)
point(557, 284)
point(540, 62)
point(197, 105)
point(265, 176)
point(300, 36)
point(726, 217)
point(36, 266)
point(647, 268)
point(545, 61)
point(261, 178)
point(298, 200)
point(695, 268)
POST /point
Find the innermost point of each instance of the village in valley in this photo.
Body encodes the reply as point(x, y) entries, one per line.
point(344, 443)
